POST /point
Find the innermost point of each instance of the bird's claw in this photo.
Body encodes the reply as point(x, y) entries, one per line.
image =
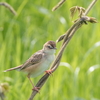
point(49, 71)
point(36, 89)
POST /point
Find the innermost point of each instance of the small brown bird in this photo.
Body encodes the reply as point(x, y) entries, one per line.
point(39, 62)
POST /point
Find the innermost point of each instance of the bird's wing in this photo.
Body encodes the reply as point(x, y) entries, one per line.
point(34, 59)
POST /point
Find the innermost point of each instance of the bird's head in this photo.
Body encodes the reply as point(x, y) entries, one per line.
point(50, 47)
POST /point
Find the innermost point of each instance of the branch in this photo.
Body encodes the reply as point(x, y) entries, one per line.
point(67, 37)
point(2, 96)
point(58, 5)
point(90, 7)
point(9, 7)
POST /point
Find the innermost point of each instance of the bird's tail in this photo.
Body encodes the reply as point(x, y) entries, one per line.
point(15, 68)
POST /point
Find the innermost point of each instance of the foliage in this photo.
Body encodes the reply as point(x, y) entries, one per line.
point(77, 78)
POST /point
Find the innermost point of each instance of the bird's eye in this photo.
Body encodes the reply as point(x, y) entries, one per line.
point(49, 47)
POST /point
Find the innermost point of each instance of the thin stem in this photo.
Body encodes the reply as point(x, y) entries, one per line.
point(90, 7)
point(58, 5)
point(9, 7)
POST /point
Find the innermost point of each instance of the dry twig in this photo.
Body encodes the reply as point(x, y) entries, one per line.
point(9, 7)
point(67, 37)
point(58, 5)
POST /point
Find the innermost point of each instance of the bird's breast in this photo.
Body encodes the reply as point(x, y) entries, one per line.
point(44, 65)
point(47, 61)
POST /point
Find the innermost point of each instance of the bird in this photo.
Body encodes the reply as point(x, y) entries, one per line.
point(38, 63)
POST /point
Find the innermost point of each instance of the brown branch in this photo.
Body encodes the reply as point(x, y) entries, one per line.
point(9, 7)
point(58, 5)
point(67, 37)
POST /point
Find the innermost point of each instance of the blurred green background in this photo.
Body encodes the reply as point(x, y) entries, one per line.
point(78, 76)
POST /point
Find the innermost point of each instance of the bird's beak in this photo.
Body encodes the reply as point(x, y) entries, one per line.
point(55, 48)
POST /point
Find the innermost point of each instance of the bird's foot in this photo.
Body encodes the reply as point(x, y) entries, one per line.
point(49, 71)
point(36, 89)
